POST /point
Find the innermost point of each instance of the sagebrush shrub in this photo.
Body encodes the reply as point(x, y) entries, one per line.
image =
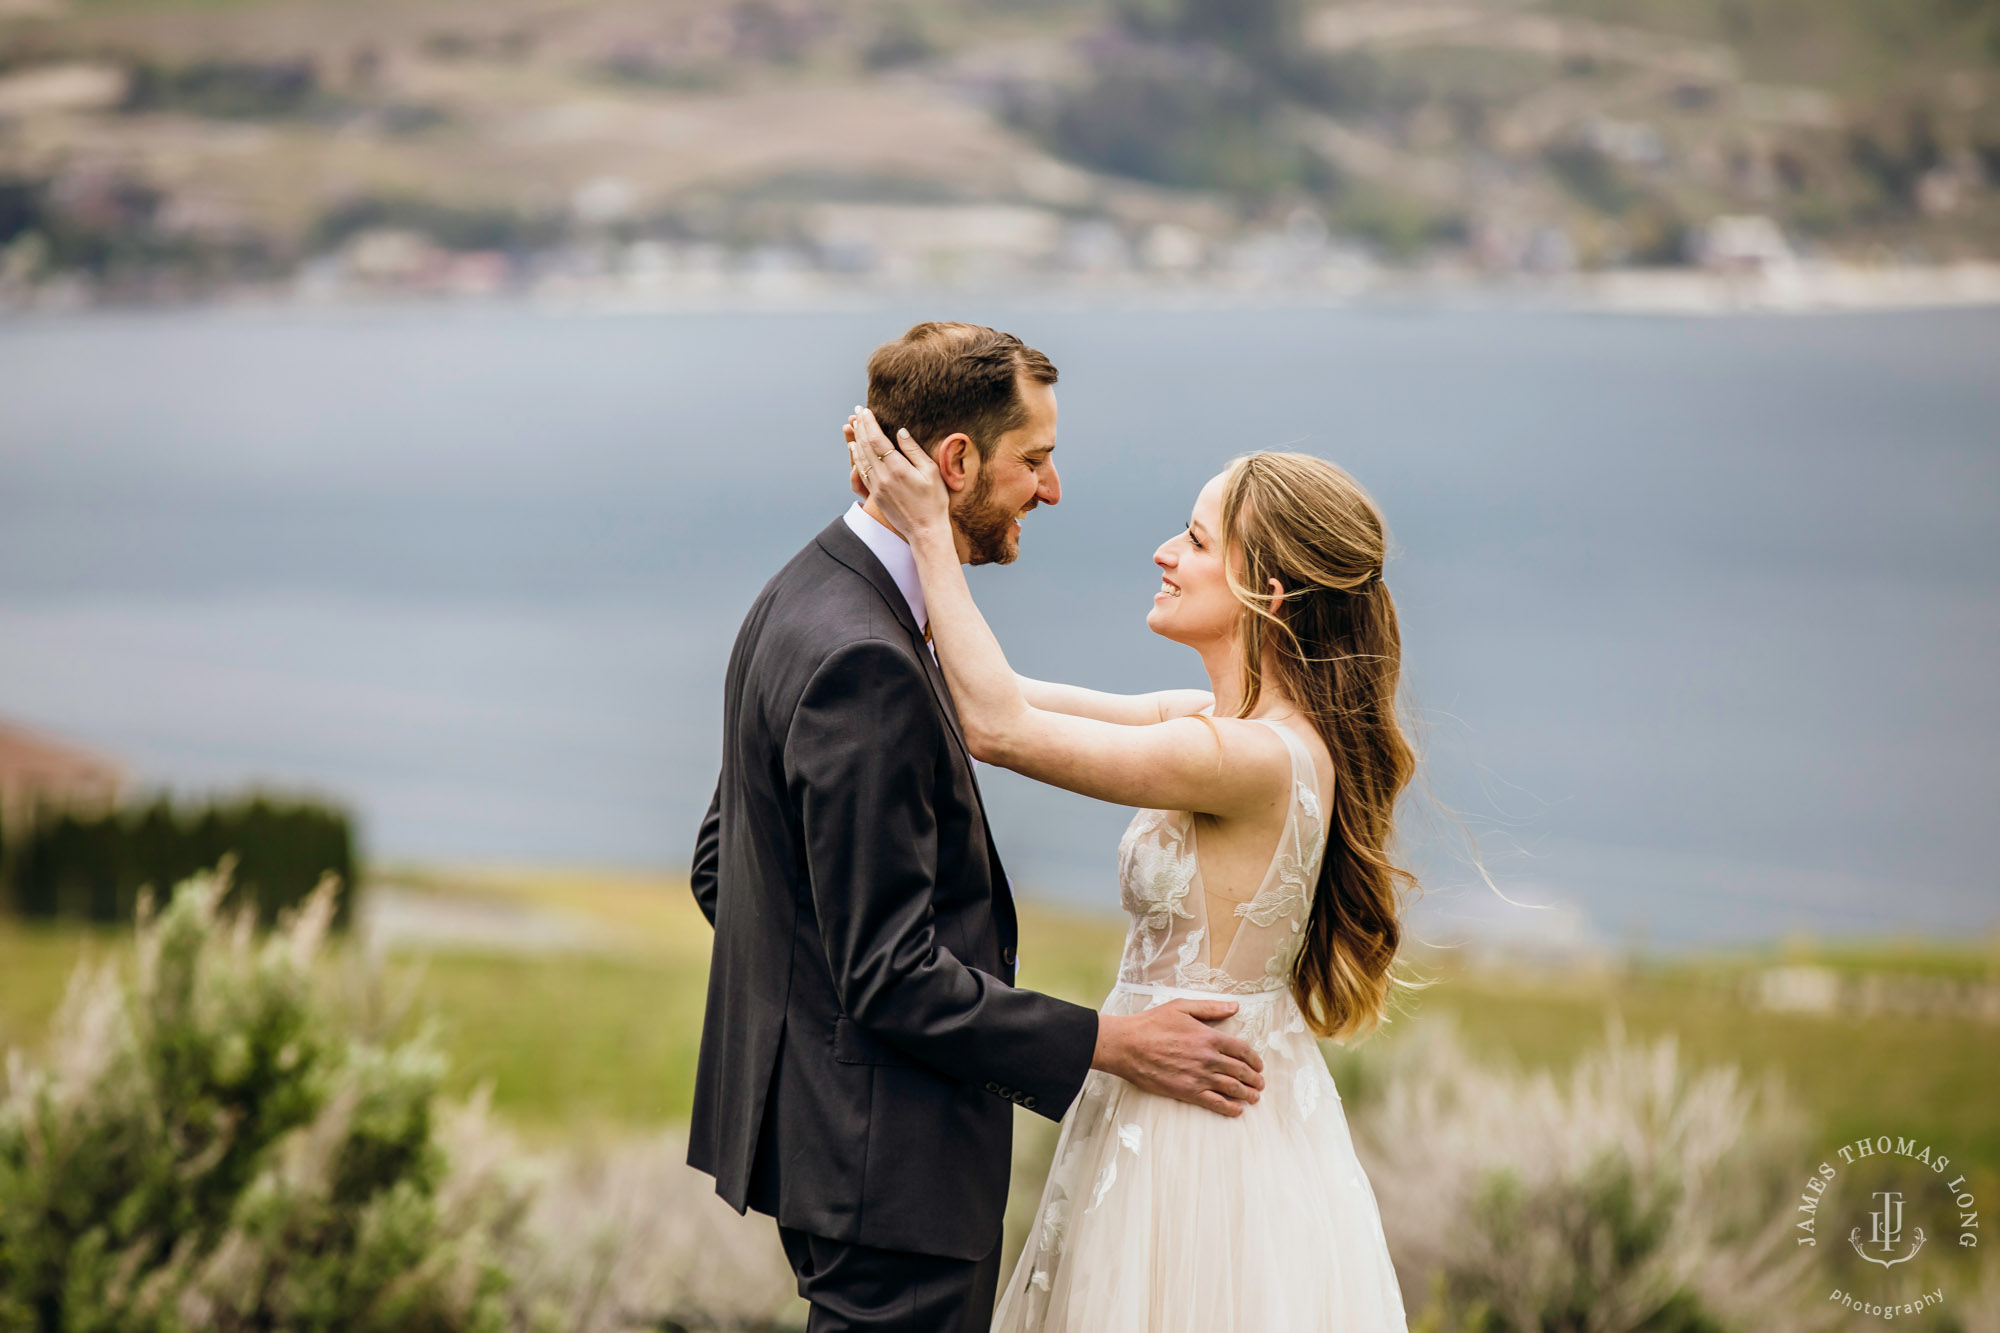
point(208, 1148)
point(1629, 1196)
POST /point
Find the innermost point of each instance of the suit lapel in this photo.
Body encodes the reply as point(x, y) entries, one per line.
point(942, 690)
point(840, 542)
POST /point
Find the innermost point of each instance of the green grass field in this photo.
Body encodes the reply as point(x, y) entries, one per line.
point(1934, 1078)
point(580, 1041)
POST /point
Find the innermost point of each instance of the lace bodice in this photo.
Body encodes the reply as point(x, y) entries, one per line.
point(1159, 883)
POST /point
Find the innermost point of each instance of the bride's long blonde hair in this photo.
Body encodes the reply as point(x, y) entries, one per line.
point(1332, 648)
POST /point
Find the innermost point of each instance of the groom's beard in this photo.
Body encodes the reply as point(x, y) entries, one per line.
point(988, 528)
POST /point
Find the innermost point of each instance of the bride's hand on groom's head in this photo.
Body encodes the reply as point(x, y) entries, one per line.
point(897, 475)
point(854, 481)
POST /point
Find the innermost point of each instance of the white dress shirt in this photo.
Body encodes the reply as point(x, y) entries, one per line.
point(896, 557)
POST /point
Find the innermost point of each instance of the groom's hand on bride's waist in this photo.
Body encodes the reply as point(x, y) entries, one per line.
point(1172, 1050)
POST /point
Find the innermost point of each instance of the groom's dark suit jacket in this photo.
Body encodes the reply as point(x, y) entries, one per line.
point(864, 1046)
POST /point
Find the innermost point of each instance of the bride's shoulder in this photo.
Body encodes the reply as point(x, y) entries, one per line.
point(1251, 748)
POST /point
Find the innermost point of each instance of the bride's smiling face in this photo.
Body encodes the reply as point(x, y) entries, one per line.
point(1194, 605)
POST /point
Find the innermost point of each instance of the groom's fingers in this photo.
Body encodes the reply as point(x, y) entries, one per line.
point(1226, 1070)
point(1241, 1051)
point(1236, 1071)
point(1213, 1011)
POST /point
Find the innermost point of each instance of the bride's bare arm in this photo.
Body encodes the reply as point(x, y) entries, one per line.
point(1130, 710)
point(1220, 767)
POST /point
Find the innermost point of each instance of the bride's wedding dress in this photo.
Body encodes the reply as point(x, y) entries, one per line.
point(1161, 1217)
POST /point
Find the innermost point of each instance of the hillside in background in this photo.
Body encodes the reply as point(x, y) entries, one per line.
point(178, 147)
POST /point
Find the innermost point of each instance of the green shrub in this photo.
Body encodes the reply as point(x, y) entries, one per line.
point(453, 226)
point(227, 89)
point(208, 1150)
point(1184, 116)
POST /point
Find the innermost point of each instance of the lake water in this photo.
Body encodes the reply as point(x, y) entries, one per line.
point(1702, 617)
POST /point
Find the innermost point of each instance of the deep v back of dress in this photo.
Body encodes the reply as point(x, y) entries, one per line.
point(1172, 938)
point(1161, 1217)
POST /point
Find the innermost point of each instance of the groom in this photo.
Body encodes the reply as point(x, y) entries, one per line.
point(864, 1045)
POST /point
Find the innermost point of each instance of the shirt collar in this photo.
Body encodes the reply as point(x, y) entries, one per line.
point(895, 555)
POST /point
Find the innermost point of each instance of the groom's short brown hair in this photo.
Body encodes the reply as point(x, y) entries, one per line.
point(943, 377)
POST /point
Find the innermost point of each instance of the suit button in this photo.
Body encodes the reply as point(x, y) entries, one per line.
point(993, 1088)
point(1028, 1103)
point(1007, 956)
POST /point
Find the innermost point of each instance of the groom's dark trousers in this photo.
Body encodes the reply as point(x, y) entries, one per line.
point(864, 1046)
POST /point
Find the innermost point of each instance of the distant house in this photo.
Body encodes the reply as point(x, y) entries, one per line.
point(1744, 243)
point(40, 773)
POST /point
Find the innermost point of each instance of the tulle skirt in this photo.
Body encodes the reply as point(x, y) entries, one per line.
point(1160, 1217)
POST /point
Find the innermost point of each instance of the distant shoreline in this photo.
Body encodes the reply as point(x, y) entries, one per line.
point(1790, 289)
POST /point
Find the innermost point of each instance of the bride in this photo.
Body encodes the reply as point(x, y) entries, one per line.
point(1257, 869)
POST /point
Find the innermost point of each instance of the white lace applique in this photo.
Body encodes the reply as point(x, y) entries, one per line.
point(1308, 806)
point(1190, 950)
point(1289, 898)
point(1285, 900)
point(1105, 1180)
point(1055, 1224)
point(1305, 1093)
point(1158, 875)
point(1278, 967)
point(1200, 976)
point(1052, 1234)
point(1265, 1023)
point(1155, 874)
point(1130, 1136)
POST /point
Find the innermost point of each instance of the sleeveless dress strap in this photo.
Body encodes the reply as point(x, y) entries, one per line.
point(1303, 768)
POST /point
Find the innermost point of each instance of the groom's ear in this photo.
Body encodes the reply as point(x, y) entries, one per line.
point(957, 460)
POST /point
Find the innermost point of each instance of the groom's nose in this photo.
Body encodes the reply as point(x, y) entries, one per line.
point(1048, 486)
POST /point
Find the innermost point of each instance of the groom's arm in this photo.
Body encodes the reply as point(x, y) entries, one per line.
point(703, 874)
point(860, 759)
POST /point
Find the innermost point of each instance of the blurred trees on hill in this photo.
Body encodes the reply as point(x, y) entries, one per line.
point(92, 867)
